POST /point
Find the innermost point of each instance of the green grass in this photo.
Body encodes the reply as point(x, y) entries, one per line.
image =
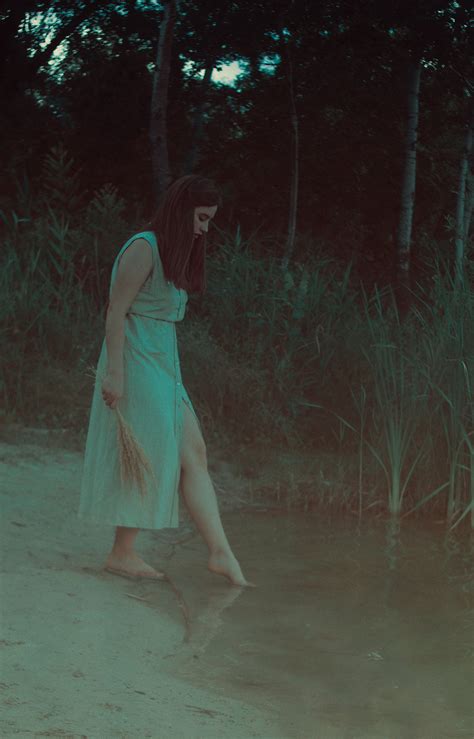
point(301, 360)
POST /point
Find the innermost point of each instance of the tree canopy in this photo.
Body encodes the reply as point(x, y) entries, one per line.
point(81, 72)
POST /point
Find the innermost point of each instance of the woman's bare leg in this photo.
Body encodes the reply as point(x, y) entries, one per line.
point(124, 540)
point(201, 502)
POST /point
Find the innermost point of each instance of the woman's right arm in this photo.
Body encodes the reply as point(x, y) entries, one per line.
point(134, 268)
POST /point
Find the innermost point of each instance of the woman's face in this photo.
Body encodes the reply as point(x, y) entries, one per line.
point(202, 215)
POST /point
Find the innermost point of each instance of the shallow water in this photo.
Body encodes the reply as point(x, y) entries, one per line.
point(352, 632)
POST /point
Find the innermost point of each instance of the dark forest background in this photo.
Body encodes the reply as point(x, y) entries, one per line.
point(322, 206)
point(82, 73)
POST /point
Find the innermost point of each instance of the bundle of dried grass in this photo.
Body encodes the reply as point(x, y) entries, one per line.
point(132, 459)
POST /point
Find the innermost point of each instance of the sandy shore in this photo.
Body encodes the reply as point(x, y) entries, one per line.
point(88, 654)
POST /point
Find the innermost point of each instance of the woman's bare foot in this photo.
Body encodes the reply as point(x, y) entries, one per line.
point(224, 563)
point(133, 565)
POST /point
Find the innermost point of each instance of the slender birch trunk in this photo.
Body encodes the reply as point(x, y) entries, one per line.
point(409, 180)
point(198, 122)
point(463, 205)
point(159, 100)
point(294, 153)
point(469, 202)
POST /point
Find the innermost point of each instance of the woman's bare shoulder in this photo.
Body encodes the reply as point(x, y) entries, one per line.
point(138, 255)
point(134, 268)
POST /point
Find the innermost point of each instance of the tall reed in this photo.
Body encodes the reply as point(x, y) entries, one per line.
point(48, 314)
point(399, 396)
point(446, 328)
point(285, 324)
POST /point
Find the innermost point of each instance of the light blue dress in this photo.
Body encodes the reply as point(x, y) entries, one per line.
point(152, 405)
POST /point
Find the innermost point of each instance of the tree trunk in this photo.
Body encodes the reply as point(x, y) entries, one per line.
point(198, 122)
point(408, 188)
point(294, 153)
point(463, 206)
point(159, 100)
point(469, 203)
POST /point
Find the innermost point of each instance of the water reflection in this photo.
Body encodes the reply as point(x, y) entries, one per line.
point(355, 630)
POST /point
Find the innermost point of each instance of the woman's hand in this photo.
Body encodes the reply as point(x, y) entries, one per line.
point(112, 389)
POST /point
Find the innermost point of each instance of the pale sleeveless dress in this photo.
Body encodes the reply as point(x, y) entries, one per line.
point(152, 405)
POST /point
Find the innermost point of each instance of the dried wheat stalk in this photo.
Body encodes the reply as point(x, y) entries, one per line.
point(132, 459)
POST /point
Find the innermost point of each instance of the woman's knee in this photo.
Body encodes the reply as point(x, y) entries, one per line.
point(193, 450)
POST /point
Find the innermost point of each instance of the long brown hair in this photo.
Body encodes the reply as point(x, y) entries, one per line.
point(183, 256)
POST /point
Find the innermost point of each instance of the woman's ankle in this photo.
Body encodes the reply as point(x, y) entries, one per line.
point(121, 552)
point(221, 552)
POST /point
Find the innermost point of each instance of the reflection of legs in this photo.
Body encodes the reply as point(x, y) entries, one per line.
point(209, 620)
point(200, 498)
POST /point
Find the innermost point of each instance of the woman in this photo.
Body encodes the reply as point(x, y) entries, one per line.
point(139, 369)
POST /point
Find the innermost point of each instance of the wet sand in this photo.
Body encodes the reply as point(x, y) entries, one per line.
point(352, 633)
